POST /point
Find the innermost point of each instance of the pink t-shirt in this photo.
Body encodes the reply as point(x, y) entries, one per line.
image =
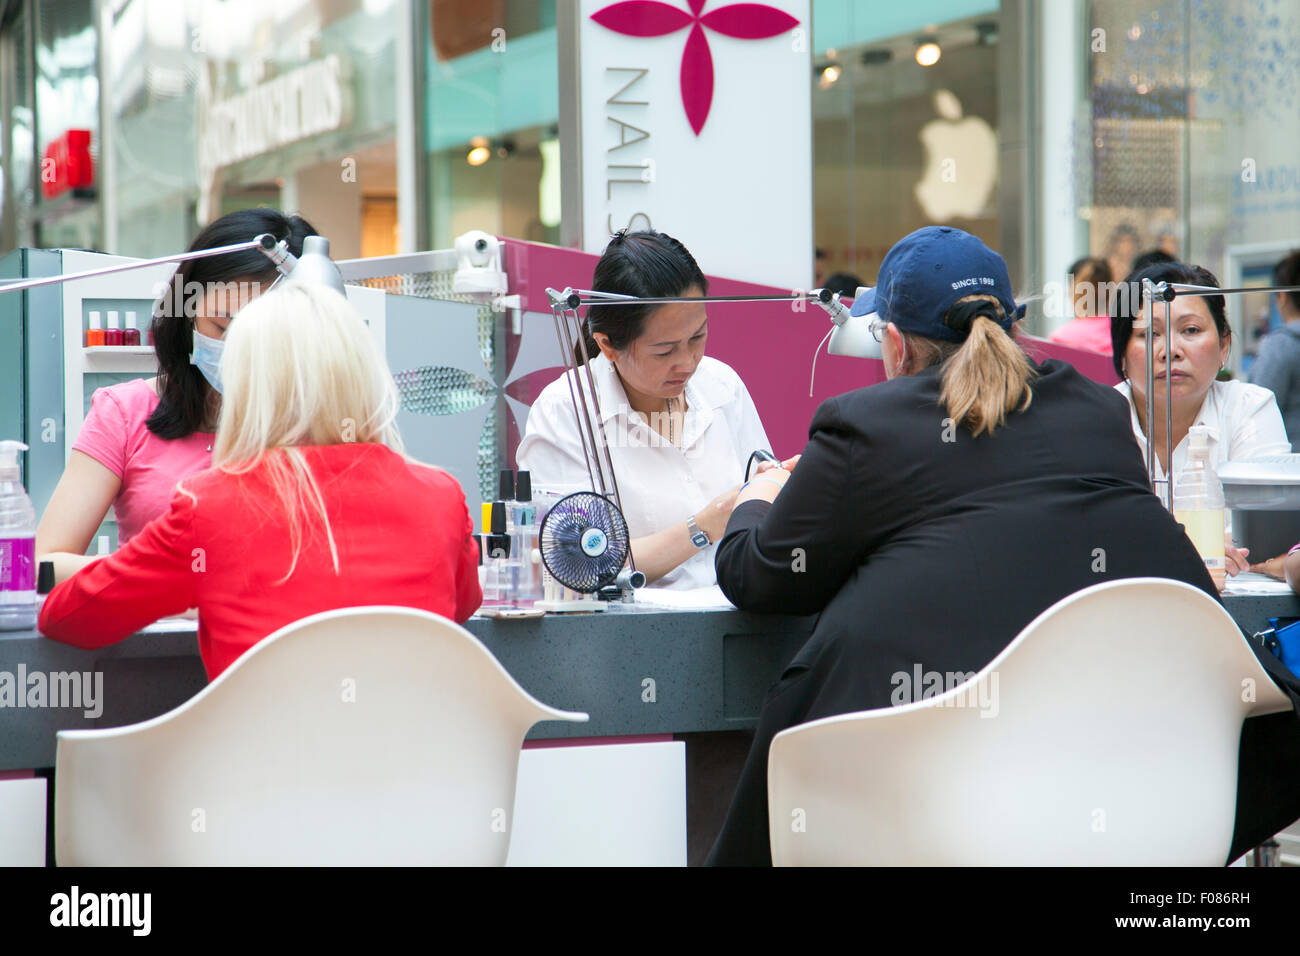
point(1091, 334)
point(114, 434)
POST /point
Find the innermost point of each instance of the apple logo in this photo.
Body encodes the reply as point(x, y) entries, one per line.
point(961, 162)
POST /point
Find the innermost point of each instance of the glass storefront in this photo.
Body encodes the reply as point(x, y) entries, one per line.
point(905, 120)
point(1195, 144)
point(897, 144)
point(492, 108)
point(1177, 128)
point(214, 107)
point(49, 109)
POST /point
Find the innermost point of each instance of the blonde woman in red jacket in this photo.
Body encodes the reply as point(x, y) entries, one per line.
point(310, 504)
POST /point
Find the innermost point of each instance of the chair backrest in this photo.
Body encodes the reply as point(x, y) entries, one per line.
point(1105, 733)
point(371, 735)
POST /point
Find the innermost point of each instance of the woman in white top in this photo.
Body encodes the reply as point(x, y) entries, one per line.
point(1243, 419)
point(680, 426)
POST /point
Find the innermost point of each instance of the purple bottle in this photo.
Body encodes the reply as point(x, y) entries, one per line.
point(17, 544)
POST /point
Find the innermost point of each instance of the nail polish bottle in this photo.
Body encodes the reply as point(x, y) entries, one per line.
point(506, 495)
point(131, 334)
point(44, 583)
point(113, 334)
point(94, 331)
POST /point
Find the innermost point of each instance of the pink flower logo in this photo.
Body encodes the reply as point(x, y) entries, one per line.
point(651, 18)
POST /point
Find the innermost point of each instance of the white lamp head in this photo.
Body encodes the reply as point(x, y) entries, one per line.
point(853, 337)
point(313, 266)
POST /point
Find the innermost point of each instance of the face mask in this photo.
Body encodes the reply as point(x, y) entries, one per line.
point(207, 356)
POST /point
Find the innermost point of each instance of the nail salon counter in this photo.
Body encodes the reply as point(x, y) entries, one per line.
point(636, 671)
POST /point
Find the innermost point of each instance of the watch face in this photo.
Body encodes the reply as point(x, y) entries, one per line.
point(700, 540)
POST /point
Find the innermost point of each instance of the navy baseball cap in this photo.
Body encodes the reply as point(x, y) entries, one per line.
point(929, 270)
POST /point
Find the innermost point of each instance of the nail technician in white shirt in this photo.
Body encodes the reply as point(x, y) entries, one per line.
point(680, 425)
point(1243, 419)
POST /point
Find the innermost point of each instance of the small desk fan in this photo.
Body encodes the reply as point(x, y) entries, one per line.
point(584, 542)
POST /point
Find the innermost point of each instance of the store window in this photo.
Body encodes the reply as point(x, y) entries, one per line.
point(290, 105)
point(905, 119)
point(49, 126)
point(17, 135)
point(1194, 141)
point(492, 138)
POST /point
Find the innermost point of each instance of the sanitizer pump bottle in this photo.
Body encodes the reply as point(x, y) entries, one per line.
point(17, 545)
point(1198, 504)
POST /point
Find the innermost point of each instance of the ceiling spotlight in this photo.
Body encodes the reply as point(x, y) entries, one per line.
point(876, 57)
point(829, 76)
point(479, 152)
point(928, 53)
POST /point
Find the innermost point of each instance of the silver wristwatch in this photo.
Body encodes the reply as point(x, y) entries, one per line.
point(698, 537)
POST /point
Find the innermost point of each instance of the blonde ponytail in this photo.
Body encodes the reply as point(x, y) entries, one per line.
point(985, 377)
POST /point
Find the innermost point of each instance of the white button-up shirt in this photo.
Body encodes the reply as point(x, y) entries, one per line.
point(1243, 421)
point(659, 484)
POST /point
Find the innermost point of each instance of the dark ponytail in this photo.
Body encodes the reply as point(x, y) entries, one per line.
point(643, 264)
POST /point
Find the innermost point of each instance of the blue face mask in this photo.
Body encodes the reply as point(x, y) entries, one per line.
point(207, 356)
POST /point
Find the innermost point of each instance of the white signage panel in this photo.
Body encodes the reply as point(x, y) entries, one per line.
point(695, 119)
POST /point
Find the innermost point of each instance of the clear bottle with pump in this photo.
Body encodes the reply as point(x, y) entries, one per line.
point(17, 544)
point(1199, 505)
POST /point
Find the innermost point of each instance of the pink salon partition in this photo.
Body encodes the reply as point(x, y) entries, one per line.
point(770, 344)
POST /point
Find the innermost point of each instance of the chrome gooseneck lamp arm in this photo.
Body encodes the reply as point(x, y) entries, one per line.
point(1153, 292)
point(314, 265)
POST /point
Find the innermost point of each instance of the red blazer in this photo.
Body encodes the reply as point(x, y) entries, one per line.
point(402, 531)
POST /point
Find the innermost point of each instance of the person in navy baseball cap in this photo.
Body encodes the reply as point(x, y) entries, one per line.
point(926, 274)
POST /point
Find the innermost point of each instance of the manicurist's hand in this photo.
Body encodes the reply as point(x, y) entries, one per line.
point(788, 464)
point(764, 486)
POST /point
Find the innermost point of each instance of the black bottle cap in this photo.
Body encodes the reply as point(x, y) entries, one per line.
point(523, 487)
point(498, 517)
point(45, 578)
point(478, 541)
point(498, 546)
point(506, 489)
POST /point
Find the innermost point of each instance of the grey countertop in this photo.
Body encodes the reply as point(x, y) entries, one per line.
point(634, 670)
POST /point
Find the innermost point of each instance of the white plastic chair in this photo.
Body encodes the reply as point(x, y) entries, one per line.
point(369, 735)
point(1105, 734)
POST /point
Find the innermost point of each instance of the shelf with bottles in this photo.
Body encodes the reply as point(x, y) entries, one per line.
point(115, 335)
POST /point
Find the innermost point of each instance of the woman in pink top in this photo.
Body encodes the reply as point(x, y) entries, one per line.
point(141, 437)
point(1090, 329)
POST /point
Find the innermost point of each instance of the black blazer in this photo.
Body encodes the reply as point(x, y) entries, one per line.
point(918, 544)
